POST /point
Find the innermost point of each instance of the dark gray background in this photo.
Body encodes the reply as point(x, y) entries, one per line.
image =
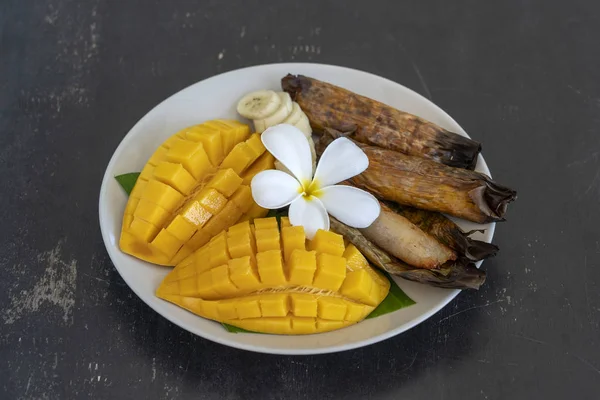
point(520, 76)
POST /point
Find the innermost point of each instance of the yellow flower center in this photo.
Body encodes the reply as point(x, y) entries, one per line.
point(309, 189)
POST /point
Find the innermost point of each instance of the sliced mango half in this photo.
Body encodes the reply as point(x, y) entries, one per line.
point(268, 278)
point(195, 185)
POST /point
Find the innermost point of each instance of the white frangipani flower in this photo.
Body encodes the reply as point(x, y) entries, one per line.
point(312, 198)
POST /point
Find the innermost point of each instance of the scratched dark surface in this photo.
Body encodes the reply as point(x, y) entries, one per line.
point(520, 76)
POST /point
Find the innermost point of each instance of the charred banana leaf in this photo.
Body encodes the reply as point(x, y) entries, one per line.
point(424, 184)
point(329, 106)
point(458, 274)
point(447, 232)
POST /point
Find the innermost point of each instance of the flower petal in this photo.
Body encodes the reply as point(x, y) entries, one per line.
point(274, 189)
point(341, 160)
point(289, 145)
point(310, 213)
point(352, 206)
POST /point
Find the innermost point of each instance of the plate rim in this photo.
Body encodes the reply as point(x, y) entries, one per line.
point(223, 340)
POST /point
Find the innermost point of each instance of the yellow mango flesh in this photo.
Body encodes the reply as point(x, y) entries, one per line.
point(270, 279)
point(195, 185)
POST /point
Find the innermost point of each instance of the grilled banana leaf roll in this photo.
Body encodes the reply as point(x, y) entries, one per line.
point(330, 106)
point(447, 232)
point(403, 239)
point(425, 184)
point(454, 274)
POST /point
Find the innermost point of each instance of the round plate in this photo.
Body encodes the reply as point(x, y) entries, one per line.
point(217, 97)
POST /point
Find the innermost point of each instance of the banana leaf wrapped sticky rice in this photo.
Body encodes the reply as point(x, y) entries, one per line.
point(428, 185)
point(455, 274)
point(447, 232)
point(374, 123)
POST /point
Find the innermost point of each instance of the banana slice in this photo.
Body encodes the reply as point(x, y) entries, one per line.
point(259, 104)
point(304, 125)
point(280, 115)
point(295, 115)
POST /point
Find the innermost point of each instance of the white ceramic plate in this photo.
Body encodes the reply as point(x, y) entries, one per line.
point(217, 97)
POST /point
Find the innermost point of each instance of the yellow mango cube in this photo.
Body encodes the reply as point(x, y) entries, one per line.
point(243, 273)
point(172, 140)
point(152, 213)
point(242, 198)
point(358, 286)
point(239, 158)
point(247, 308)
point(274, 305)
point(227, 309)
point(331, 308)
point(256, 144)
point(219, 254)
point(209, 309)
point(162, 194)
point(354, 258)
point(158, 156)
point(266, 223)
point(181, 228)
point(166, 243)
point(192, 157)
point(264, 162)
point(293, 238)
point(357, 312)
point(131, 205)
point(138, 189)
point(195, 214)
point(175, 176)
point(301, 267)
point(239, 228)
point(270, 267)
point(327, 242)
point(331, 271)
point(220, 281)
point(240, 244)
point(143, 230)
point(226, 181)
point(303, 305)
point(324, 325)
point(147, 172)
point(211, 200)
point(227, 217)
point(285, 222)
point(267, 239)
point(211, 141)
point(304, 325)
point(239, 130)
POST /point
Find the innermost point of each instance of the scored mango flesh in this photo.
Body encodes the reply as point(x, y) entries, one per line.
point(263, 278)
point(195, 185)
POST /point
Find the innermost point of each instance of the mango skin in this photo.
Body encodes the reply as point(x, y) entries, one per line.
point(195, 185)
point(266, 278)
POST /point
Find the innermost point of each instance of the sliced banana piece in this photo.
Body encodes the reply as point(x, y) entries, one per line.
point(259, 104)
point(295, 115)
point(304, 125)
point(284, 110)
